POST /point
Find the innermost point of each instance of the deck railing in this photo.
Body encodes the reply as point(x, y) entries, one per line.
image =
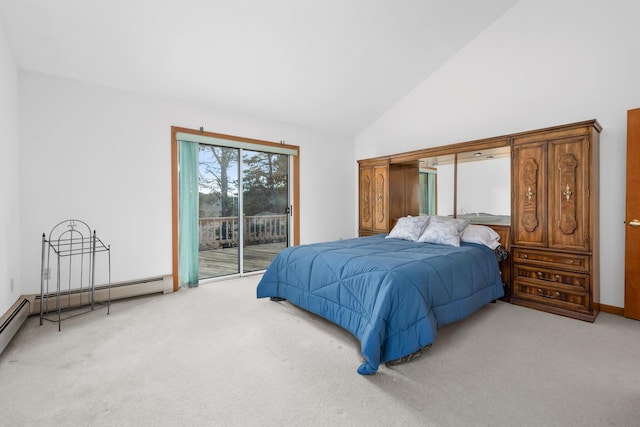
point(223, 232)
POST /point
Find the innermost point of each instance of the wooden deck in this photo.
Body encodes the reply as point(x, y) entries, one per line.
point(224, 261)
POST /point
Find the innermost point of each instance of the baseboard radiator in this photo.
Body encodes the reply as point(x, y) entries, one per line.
point(133, 288)
point(30, 304)
point(13, 320)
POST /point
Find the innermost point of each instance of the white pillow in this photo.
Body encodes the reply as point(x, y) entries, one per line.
point(481, 234)
point(459, 222)
point(409, 228)
point(442, 233)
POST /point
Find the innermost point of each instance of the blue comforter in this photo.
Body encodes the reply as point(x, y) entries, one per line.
point(391, 294)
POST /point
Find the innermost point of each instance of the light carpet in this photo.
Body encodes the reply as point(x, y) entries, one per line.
point(217, 356)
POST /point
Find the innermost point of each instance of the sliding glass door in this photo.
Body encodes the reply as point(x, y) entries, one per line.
point(218, 210)
point(243, 212)
point(265, 207)
point(234, 204)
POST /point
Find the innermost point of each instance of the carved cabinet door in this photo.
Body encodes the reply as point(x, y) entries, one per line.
point(380, 199)
point(529, 196)
point(365, 202)
point(569, 193)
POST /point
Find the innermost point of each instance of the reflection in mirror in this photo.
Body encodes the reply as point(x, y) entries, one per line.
point(483, 186)
point(483, 195)
point(436, 185)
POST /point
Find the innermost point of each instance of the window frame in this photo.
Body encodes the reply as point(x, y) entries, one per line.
point(175, 197)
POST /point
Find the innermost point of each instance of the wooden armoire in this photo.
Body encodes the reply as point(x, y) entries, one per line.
point(555, 248)
point(554, 245)
point(387, 191)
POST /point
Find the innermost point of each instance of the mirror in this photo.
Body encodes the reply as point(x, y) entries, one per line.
point(437, 185)
point(484, 186)
point(481, 193)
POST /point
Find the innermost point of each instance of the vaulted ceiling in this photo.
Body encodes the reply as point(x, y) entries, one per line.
point(328, 65)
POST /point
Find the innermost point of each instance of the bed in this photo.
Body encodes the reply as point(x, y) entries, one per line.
point(391, 292)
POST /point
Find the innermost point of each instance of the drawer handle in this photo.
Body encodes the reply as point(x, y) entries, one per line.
point(555, 295)
point(525, 256)
point(554, 278)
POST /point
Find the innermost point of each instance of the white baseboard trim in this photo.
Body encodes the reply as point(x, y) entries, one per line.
point(28, 305)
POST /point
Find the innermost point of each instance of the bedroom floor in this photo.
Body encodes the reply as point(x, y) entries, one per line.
point(216, 355)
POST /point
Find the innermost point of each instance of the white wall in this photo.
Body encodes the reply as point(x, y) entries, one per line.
point(541, 64)
point(103, 156)
point(9, 207)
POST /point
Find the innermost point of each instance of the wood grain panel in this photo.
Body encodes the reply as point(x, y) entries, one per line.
point(530, 194)
point(632, 234)
point(569, 193)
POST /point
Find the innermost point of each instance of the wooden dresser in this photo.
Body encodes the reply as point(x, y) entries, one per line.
point(555, 187)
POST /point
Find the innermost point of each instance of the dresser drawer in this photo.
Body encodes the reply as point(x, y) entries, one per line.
point(551, 296)
point(552, 259)
point(556, 278)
